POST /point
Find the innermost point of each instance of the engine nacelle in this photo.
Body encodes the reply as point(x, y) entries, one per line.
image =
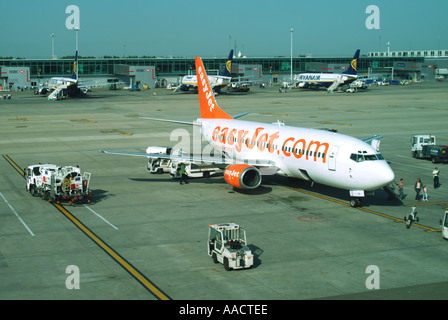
point(242, 176)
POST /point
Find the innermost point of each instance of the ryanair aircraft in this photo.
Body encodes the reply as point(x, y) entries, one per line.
point(316, 80)
point(216, 82)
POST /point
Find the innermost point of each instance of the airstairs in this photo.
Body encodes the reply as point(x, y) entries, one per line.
point(58, 92)
point(335, 84)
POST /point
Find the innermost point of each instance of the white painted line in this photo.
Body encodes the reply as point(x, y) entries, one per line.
point(407, 165)
point(102, 218)
point(17, 215)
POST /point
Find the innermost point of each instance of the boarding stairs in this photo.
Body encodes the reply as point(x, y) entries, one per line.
point(57, 93)
point(335, 84)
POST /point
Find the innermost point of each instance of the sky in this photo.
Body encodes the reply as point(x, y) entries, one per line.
point(210, 28)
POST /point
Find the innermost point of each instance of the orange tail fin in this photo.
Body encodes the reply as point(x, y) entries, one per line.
point(207, 102)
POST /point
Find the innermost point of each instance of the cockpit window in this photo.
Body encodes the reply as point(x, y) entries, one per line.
point(364, 156)
point(370, 157)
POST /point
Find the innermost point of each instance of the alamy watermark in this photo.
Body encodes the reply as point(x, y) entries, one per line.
point(73, 280)
point(373, 20)
point(72, 21)
point(373, 280)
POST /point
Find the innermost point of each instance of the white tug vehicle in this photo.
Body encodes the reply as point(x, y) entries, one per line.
point(227, 245)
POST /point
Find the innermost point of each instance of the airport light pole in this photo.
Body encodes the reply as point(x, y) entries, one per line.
point(291, 31)
point(230, 41)
point(52, 46)
point(76, 33)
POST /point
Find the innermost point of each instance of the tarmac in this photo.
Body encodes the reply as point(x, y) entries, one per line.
point(144, 236)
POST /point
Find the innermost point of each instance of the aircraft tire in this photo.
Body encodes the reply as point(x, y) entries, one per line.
point(355, 202)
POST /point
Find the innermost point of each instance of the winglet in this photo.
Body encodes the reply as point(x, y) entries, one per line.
point(207, 102)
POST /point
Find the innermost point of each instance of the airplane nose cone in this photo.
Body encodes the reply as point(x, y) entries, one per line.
point(381, 176)
point(385, 174)
point(388, 174)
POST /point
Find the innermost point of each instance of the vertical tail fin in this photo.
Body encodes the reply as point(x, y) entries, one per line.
point(75, 67)
point(207, 102)
point(353, 65)
point(227, 72)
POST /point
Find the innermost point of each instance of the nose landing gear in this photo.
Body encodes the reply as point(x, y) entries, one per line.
point(355, 202)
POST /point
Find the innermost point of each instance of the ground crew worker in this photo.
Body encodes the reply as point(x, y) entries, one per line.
point(435, 176)
point(183, 173)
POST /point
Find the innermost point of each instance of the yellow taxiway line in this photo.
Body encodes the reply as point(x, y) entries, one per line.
point(142, 279)
point(428, 229)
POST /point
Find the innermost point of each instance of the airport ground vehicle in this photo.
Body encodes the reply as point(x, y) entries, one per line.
point(435, 153)
point(158, 165)
point(227, 244)
point(161, 165)
point(193, 170)
point(444, 223)
point(411, 217)
point(420, 140)
point(55, 183)
point(424, 147)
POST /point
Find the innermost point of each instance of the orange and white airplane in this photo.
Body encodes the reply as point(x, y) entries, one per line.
point(250, 149)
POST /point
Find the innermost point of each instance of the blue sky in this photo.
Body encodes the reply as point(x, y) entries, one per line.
point(202, 28)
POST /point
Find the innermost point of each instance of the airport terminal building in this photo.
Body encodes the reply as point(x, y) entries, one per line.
point(153, 72)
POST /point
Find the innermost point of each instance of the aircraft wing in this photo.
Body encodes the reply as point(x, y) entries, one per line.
point(193, 123)
point(89, 84)
point(259, 163)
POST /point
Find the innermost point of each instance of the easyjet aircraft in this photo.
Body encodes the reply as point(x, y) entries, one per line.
point(252, 148)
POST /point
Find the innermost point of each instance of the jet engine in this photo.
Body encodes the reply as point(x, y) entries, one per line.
point(242, 176)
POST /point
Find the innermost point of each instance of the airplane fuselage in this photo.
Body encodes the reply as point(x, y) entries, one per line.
point(71, 84)
point(214, 81)
point(323, 79)
point(317, 155)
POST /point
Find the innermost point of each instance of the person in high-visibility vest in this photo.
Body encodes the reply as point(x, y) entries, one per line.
point(435, 177)
point(183, 173)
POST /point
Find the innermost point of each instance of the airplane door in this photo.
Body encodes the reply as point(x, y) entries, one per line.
point(445, 225)
point(332, 158)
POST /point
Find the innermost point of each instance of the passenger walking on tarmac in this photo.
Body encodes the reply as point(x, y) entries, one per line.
point(425, 193)
point(418, 188)
point(400, 185)
point(183, 173)
point(435, 176)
